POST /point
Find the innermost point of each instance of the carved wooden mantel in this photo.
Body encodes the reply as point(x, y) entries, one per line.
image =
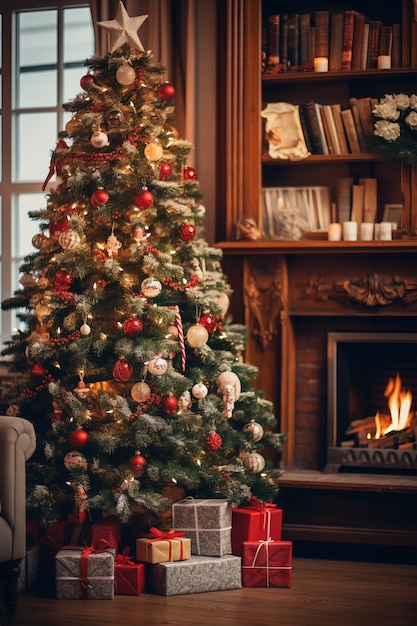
point(275, 281)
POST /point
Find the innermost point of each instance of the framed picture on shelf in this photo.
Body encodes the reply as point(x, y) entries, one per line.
point(393, 213)
point(290, 212)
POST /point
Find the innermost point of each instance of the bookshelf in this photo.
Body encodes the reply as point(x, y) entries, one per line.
point(244, 154)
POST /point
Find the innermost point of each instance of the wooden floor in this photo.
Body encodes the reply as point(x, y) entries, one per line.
point(324, 593)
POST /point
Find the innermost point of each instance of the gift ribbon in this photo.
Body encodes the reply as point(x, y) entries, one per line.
point(100, 545)
point(155, 534)
point(265, 510)
point(262, 544)
point(124, 558)
point(196, 529)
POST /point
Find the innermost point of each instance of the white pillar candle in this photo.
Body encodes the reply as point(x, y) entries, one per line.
point(384, 62)
point(366, 231)
point(385, 231)
point(350, 231)
point(321, 64)
point(334, 232)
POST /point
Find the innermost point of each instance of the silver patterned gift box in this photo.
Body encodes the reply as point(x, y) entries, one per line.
point(207, 523)
point(197, 575)
point(99, 581)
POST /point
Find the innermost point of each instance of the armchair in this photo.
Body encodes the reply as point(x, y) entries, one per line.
point(17, 444)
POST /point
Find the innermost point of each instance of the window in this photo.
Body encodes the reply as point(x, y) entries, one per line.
point(45, 45)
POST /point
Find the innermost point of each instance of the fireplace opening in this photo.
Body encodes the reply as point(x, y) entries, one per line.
point(372, 399)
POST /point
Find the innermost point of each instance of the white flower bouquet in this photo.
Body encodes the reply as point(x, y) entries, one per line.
point(395, 128)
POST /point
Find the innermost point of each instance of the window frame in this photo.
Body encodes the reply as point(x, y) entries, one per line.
point(10, 189)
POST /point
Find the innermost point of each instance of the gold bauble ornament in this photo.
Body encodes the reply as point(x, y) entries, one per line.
point(153, 151)
point(197, 336)
point(140, 392)
point(125, 75)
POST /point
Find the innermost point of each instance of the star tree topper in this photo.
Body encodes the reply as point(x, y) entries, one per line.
point(124, 29)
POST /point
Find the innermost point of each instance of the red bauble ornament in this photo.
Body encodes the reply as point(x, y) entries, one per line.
point(209, 322)
point(37, 370)
point(87, 80)
point(187, 232)
point(58, 227)
point(122, 371)
point(165, 170)
point(144, 199)
point(78, 438)
point(213, 441)
point(166, 91)
point(190, 173)
point(99, 197)
point(170, 405)
point(137, 464)
point(132, 326)
point(62, 281)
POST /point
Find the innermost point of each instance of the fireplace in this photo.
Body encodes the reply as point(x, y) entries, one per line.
point(372, 381)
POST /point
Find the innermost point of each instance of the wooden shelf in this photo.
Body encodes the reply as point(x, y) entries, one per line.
point(323, 77)
point(349, 481)
point(317, 247)
point(322, 159)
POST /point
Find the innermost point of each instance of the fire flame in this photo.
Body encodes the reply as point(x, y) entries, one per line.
point(399, 404)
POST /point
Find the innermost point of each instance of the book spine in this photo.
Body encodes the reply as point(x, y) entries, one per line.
point(283, 39)
point(350, 129)
point(359, 23)
point(331, 127)
point(340, 129)
point(305, 19)
point(344, 198)
point(365, 113)
point(336, 42)
point(357, 121)
point(273, 40)
point(312, 46)
point(373, 43)
point(396, 46)
point(326, 130)
point(313, 125)
point(358, 192)
point(322, 20)
point(306, 129)
point(317, 108)
point(293, 40)
point(369, 199)
point(364, 53)
point(348, 26)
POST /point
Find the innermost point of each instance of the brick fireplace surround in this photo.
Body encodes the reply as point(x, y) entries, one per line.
point(290, 296)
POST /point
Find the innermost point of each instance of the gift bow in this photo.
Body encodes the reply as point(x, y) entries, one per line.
point(124, 558)
point(254, 503)
point(158, 535)
point(155, 534)
point(265, 510)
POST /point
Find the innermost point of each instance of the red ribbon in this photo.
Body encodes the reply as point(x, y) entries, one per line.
point(256, 504)
point(100, 545)
point(155, 534)
point(124, 558)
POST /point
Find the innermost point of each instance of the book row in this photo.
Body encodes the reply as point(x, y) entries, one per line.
point(348, 39)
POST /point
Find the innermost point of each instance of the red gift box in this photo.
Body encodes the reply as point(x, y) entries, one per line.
point(267, 564)
point(109, 529)
point(255, 523)
point(129, 575)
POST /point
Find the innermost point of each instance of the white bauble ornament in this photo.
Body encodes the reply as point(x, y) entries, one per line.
point(254, 462)
point(85, 329)
point(125, 75)
point(75, 460)
point(158, 366)
point(197, 336)
point(151, 287)
point(140, 392)
point(69, 239)
point(255, 430)
point(99, 139)
point(153, 151)
point(199, 391)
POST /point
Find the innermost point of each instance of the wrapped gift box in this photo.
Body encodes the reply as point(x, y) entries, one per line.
point(198, 575)
point(84, 573)
point(207, 523)
point(255, 523)
point(159, 547)
point(129, 576)
point(109, 529)
point(267, 564)
point(29, 569)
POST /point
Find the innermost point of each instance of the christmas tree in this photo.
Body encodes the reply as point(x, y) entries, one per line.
point(129, 365)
